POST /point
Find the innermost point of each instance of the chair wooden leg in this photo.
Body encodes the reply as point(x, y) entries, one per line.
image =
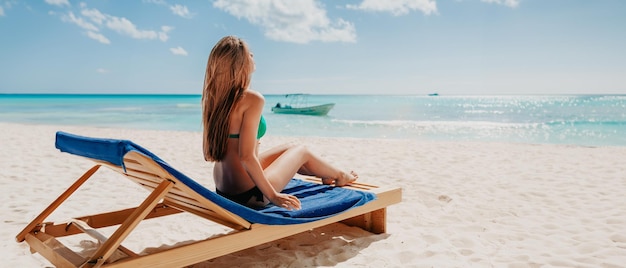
point(59, 255)
point(106, 250)
point(44, 214)
point(374, 222)
point(90, 231)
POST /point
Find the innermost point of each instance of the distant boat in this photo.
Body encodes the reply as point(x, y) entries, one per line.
point(298, 104)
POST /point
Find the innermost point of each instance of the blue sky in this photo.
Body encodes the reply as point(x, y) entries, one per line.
point(320, 47)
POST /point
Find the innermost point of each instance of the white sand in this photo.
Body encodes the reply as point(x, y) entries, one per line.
point(465, 204)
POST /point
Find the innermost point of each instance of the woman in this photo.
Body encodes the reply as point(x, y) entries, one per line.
point(233, 124)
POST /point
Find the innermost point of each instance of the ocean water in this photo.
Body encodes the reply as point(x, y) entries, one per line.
point(589, 120)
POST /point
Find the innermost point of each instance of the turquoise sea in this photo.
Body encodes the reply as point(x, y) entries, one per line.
point(589, 120)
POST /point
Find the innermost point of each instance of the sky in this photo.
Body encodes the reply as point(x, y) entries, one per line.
point(415, 47)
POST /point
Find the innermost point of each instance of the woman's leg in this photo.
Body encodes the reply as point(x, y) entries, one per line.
point(267, 158)
point(296, 158)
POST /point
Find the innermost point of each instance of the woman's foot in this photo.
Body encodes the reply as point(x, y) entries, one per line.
point(343, 179)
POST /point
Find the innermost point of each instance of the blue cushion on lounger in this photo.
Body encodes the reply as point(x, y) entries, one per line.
point(318, 201)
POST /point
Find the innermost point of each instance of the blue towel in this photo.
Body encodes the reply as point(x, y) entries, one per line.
point(318, 201)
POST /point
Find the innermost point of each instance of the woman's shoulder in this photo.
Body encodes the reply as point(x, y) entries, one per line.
point(252, 97)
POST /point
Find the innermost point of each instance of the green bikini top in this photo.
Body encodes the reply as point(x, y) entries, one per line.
point(260, 132)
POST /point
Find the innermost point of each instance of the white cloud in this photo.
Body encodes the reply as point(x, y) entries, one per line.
point(397, 7)
point(1, 11)
point(178, 51)
point(285, 20)
point(94, 15)
point(178, 10)
point(70, 17)
point(181, 10)
point(126, 27)
point(91, 29)
point(98, 37)
point(58, 2)
point(509, 3)
point(163, 33)
point(102, 70)
point(93, 21)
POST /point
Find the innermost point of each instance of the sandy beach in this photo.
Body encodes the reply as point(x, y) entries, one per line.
point(465, 204)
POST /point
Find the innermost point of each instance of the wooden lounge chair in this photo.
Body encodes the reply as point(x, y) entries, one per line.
point(173, 192)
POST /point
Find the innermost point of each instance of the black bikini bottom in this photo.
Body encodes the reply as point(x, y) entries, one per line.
point(244, 197)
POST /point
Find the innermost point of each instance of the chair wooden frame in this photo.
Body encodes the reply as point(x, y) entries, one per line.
point(169, 196)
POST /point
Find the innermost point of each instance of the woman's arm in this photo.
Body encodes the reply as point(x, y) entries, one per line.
point(248, 155)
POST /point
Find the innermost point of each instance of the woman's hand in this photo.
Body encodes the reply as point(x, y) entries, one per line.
point(286, 201)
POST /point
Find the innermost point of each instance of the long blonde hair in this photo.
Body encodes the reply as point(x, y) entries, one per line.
point(228, 74)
